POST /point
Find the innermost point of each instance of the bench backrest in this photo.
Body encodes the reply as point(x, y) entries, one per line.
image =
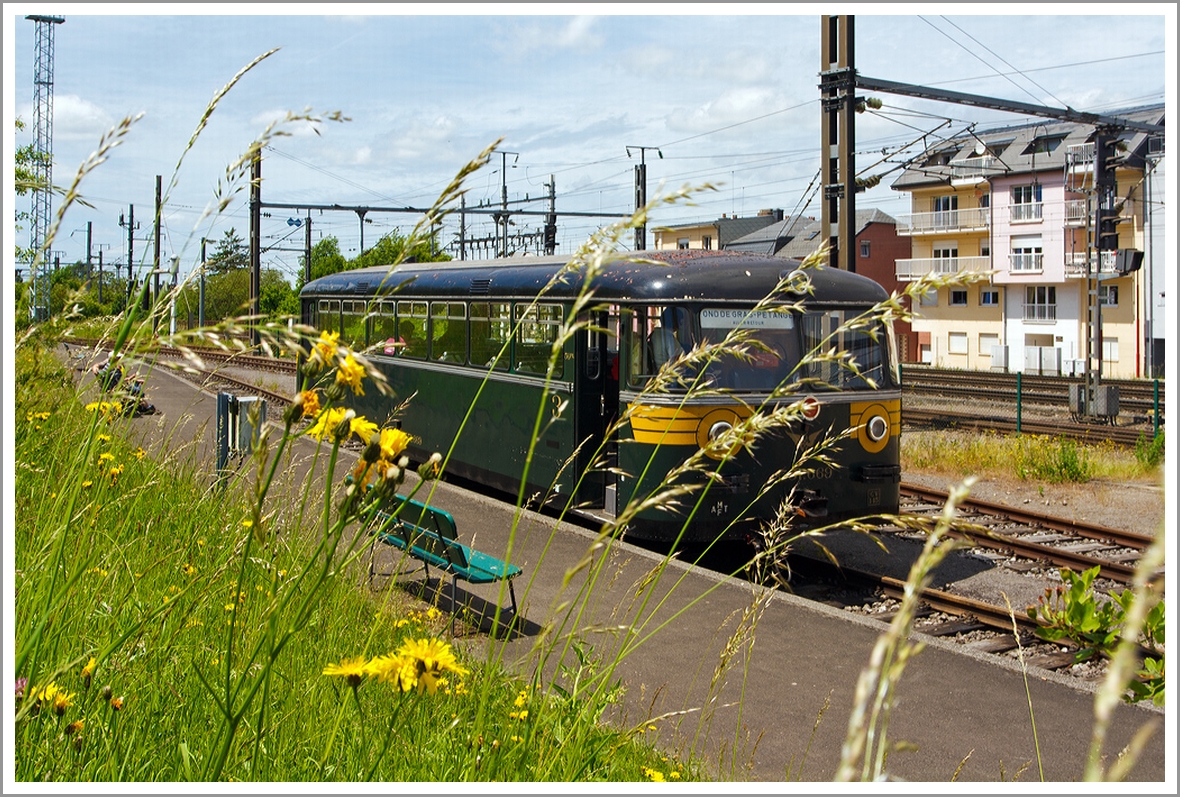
point(444, 543)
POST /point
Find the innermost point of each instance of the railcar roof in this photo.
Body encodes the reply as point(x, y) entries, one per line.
point(652, 276)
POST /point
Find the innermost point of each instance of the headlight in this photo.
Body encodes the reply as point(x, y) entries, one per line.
point(718, 429)
point(877, 428)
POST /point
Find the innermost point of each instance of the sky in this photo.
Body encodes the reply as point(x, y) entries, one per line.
point(729, 101)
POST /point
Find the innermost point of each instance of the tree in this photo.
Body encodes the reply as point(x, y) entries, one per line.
point(232, 254)
point(325, 259)
point(26, 181)
point(276, 297)
point(392, 247)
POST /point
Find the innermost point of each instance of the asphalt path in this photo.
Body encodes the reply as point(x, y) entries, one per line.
point(760, 684)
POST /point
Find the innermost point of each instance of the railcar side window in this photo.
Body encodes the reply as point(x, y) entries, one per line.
point(329, 316)
point(659, 333)
point(412, 323)
point(448, 331)
point(383, 328)
point(539, 326)
point(352, 330)
point(491, 329)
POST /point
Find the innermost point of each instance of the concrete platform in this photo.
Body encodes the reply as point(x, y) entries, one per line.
point(781, 710)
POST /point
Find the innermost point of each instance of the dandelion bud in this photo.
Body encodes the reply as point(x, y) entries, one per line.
point(372, 450)
point(105, 692)
point(74, 727)
point(78, 742)
point(334, 392)
point(117, 703)
point(294, 411)
point(344, 428)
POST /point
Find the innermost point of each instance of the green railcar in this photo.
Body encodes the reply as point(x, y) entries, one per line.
point(528, 377)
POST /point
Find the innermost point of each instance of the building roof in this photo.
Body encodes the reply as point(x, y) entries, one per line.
point(730, 228)
point(1019, 149)
point(798, 236)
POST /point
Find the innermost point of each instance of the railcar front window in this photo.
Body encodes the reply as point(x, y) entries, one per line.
point(863, 358)
point(771, 342)
point(659, 333)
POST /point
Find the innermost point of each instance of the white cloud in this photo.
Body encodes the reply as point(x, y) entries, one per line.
point(732, 106)
point(577, 33)
point(74, 119)
point(294, 128)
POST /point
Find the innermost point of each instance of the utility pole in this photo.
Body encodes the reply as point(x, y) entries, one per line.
point(838, 139)
point(156, 259)
point(256, 242)
point(502, 216)
point(89, 247)
point(201, 287)
point(307, 250)
point(641, 192)
point(551, 218)
point(42, 162)
point(462, 226)
point(100, 248)
point(129, 223)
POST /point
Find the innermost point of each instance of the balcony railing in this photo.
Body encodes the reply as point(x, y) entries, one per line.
point(914, 268)
point(1026, 211)
point(1077, 212)
point(941, 221)
point(973, 168)
point(1040, 312)
point(1026, 262)
point(1075, 265)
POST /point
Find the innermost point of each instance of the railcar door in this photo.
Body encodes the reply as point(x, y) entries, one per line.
point(593, 408)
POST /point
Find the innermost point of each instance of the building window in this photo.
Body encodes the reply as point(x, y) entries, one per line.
point(1026, 202)
point(681, 243)
point(929, 298)
point(1108, 295)
point(957, 343)
point(989, 297)
point(1026, 253)
point(946, 211)
point(987, 342)
point(864, 248)
point(985, 249)
point(1040, 303)
point(958, 297)
point(706, 242)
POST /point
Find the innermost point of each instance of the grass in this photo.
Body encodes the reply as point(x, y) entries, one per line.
point(1024, 457)
point(167, 630)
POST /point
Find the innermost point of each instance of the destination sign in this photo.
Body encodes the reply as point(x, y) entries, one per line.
point(732, 318)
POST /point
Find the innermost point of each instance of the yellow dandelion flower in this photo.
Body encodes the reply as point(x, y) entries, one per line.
point(310, 403)
point(61, 701)
point(106, 456)
point(521, 698)
point(674, 775)
point(325, 347)
point(353, 670)
point(349, 372)
point(327, 422)
point(188, 569)
point(117, 703)
point(103, 438)
point(139, 453)
point(75, 727)
point(87, 483)
point(363, 428)
point(229, 607)
point(393, 442)
point(654, 775)
point(88, 671)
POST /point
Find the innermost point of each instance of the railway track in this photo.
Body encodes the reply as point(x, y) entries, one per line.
point(1034, 541)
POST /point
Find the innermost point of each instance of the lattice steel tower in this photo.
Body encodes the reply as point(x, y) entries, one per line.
point(39, 268)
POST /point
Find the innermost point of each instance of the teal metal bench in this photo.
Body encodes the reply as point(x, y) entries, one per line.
point(429, 535)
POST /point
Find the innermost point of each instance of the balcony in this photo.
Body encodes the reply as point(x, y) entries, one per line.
point(912, 269)
point(1026, 211)
point(944, 221)
point(1026, 263)
point(1077, 212)
point(970, 171)
point(1103, 265)
point(1042, 313)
